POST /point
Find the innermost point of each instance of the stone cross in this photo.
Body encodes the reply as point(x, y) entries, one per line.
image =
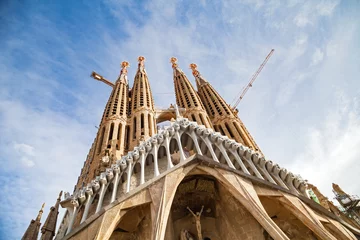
point(197, 220)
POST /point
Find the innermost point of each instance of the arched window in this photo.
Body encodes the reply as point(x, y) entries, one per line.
point(127, 139)
point(111, 131)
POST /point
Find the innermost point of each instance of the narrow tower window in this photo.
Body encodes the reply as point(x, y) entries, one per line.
point(127, 130)
point(221, 130)
point(142, 124)
point(193, 117)
point(111, 131)
point(134, 128)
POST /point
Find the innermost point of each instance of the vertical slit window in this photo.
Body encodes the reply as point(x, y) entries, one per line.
point(134, 128)
point(127, 130)
point(142, 124)
point(111, 131)
point(221, 130)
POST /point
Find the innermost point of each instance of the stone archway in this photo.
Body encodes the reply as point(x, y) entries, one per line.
point(223, 216)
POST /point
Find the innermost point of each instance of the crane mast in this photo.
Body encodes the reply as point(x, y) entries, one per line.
point(253, 78)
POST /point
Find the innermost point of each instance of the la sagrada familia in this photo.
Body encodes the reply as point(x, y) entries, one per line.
point(201, 176)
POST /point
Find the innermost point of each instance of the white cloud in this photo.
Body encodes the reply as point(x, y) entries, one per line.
point(23, 148)
point(302, 20)
point(25, 152)
point(27, 162)
point(317, 57)
point(39, 171)
point(332, 150)
point(326, 8)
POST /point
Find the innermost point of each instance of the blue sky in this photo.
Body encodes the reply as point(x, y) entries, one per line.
point(303, 111)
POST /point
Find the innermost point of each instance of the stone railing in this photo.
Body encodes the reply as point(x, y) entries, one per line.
point(158, 154)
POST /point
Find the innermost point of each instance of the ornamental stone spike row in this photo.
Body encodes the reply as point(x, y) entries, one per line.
point(218, 147)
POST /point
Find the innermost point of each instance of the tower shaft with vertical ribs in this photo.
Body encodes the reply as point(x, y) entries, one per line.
point(186, 179)
point(220, 113)
point(141, 121)
point(109, 143)
point(186, 97)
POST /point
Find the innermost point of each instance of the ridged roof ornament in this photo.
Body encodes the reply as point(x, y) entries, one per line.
point(173, 60)
point(141, 65)
point(40, 212)
point(175, 66)
point(195, 72)
point(199, 79)
point(123, 73)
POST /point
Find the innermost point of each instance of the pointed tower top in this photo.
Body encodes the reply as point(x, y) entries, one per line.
point(40, 212)
point(124, 66)
point(175, 66)
point(199, 79)
point(48, 229)
point(123, 73)
point(32, 231)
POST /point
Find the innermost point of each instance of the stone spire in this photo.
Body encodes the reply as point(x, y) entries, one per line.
point(222, 117)
point(32, 231)
point(49, 227)
point(186, 97)
point(109, 144)
point(142, 122)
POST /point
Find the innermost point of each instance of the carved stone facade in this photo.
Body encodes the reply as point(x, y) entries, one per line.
point(187, 180)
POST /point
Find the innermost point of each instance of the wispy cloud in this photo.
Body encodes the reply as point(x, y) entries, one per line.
point(331, 150)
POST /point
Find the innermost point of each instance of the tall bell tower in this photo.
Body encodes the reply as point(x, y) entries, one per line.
point(141, 112)
point(110, 140)
point(186, 181)
point(187, 97)
point(222, 116)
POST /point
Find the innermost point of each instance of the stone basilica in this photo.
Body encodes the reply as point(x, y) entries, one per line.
point(201, 176)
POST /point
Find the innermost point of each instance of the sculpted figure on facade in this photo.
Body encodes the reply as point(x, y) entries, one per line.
point(197, 217)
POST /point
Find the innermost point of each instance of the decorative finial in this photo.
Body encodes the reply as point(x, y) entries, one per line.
point(195, 72)
point(124, 65)
point(141, 61)
point(38, 218)
point(173, 60)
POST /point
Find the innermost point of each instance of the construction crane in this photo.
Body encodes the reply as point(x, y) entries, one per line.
point(253, 78)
